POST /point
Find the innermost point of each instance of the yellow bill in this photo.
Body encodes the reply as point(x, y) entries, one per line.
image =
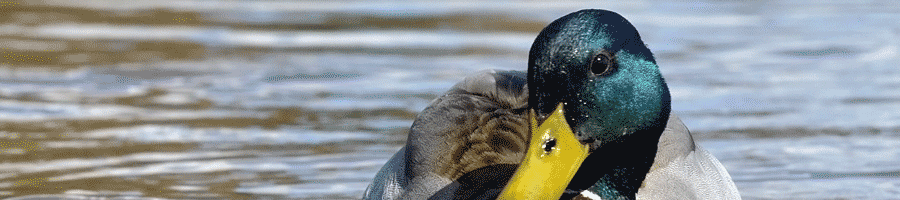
point(553, 157)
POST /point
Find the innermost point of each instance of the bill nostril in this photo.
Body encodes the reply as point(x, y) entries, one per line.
point(548, 145)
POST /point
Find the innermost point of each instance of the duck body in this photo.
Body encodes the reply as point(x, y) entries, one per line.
point(479, 125)
point(590, 65)
point(681, 169)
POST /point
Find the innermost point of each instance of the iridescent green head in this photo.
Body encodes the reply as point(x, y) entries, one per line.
point(614, 97)
point(595, 63)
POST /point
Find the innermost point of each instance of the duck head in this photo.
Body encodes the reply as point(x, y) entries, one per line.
point(593, 66)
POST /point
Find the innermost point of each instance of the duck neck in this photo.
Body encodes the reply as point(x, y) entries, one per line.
point(617, 170)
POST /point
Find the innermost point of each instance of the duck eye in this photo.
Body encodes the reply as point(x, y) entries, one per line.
point(602, 64)
point(549, 144)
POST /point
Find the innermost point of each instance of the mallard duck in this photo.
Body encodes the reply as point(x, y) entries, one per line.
point(593, 99)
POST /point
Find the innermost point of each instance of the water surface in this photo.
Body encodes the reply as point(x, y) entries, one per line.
point(307, 100)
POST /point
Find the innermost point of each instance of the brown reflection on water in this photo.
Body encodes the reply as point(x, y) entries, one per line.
point(22, 52)
point(59, 152)
point(30, 13)
point(26, 50)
